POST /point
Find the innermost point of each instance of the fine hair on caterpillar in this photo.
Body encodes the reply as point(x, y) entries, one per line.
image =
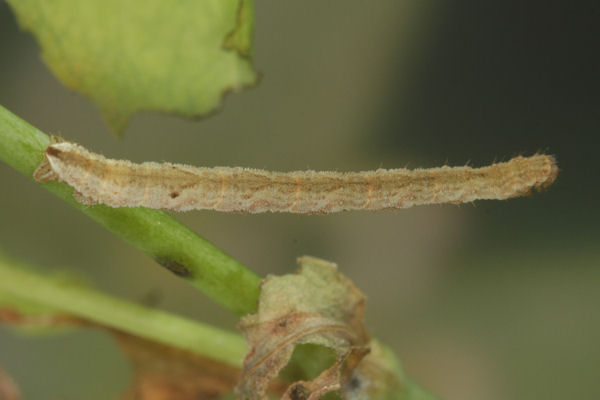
point(121, 183)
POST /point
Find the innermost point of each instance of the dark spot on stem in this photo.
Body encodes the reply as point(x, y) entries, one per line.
point(299, 392)
point(174, 195)
point(173, 266)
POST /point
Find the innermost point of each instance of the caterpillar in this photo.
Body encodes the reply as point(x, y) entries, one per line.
point(178, 187)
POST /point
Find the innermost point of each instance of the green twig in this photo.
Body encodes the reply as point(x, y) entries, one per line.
point(68, 297)
point(157, 234)
point(37, 295)
point(161, 237)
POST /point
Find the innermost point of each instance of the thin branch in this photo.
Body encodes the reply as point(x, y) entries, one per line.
point(42, 297)
point(65, 296)
point(161, 237)
point(157, 234)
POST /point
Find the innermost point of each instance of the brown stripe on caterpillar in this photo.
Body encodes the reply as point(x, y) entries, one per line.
point(121, 183)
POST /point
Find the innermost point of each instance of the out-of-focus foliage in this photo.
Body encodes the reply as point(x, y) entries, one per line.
point(495, 301)
point(177, 57)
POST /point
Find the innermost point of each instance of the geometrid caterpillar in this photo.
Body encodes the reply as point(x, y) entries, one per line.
point(119, 183)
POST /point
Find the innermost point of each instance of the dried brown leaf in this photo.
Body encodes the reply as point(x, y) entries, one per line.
point(8, 387)
point(47, 320)
point(166, 373)
point(161, 372)
point(317, 305)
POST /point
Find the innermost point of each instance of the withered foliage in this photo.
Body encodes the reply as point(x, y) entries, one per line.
point(161, 372)
point(8, 387)
point(318, 305)
point(165, 373)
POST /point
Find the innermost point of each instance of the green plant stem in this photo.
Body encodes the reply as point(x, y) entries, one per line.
point(68, 297)
point(157, 234)
point(161, 237)
point(24, 290)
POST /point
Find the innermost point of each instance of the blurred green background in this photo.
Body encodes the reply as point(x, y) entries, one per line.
point(496, 300)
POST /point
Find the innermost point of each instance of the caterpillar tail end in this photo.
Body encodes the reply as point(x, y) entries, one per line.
point(551, 175)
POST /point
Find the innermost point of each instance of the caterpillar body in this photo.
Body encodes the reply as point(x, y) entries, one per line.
point(121, 183)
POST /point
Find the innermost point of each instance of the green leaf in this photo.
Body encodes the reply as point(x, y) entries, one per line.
point(171, 56)
point(240, 39)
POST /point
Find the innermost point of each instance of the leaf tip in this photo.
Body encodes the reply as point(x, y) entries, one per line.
point(116, 120)
point(239, 38)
